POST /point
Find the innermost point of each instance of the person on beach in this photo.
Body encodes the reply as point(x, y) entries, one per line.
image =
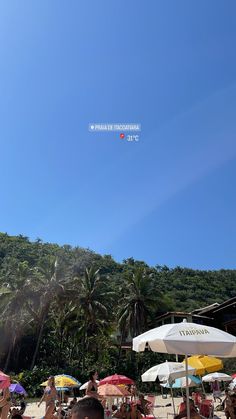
point(183, 410)
point(92, 389)
point(5, 402)
point(144, 405)
point(135, 413)
point(133, 392)
point(197, 398)
point(123, 412)
point(88, 408)
point(22, 404)
point(228, 406)
point(50, 396)
point(216, 391)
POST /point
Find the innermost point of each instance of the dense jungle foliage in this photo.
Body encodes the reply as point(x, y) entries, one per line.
point(67, 309)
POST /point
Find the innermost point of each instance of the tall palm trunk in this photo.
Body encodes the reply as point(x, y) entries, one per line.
point(8, 358)
point(120, 347)
point(10, 349)
point(39, 337)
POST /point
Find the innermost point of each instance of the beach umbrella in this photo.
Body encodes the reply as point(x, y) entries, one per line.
point(4, 380)
point(204, 364)
point(111, 390)
point(85, 385)
point(187, 338)
point(116, 379)
point(64, 380)
point(167, 371)
point(216, 376)
point(17, 388)
point(181, 382)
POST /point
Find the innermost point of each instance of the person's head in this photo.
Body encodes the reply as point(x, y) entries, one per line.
point(88, 408)
point(184, 398)
point(16, 416)
point(51, 381)
point(141, 396)
point(93, 375)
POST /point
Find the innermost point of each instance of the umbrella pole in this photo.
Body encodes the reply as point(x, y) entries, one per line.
point(203, 388)
point(187, 387)
point(171, 390)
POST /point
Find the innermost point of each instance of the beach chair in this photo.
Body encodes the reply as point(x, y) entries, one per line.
point(181, 407)
point(206, 409)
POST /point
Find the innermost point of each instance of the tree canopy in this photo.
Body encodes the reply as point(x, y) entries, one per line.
point(69, 308)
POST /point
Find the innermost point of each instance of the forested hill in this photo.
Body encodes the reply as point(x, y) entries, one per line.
point(67, 306)
point(185, 288)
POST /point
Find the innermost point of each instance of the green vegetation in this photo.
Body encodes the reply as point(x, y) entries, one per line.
point(68, 309)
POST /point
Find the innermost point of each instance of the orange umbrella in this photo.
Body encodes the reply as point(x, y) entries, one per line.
point(110, 390)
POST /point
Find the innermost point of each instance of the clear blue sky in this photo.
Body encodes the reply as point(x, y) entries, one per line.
point(169, 65)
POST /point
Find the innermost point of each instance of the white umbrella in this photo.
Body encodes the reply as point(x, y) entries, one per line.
point(187, 338)
point(216, 376)
point(85, 385)
point(167, 371)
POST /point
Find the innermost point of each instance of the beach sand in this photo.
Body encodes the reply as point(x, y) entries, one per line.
point(161, 411)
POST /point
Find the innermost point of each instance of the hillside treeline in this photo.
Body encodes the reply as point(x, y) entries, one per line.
point(67, 308)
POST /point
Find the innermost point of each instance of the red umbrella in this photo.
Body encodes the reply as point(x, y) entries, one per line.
point(233, 375)
point(116, 379)
point(4, 380)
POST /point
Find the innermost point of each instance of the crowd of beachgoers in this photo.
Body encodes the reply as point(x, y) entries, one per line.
point(118, 401)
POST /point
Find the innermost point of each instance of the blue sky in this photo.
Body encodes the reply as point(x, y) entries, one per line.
point(169, 65)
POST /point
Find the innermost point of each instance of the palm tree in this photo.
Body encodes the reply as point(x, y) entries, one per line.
point(138, 303)
point(137, 308)
point(16, 288)
point(51, 283)
point(65, 325)
point(93, 303)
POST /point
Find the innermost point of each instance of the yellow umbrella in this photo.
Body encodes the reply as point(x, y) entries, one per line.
point(204, 364)
point(64, 380)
